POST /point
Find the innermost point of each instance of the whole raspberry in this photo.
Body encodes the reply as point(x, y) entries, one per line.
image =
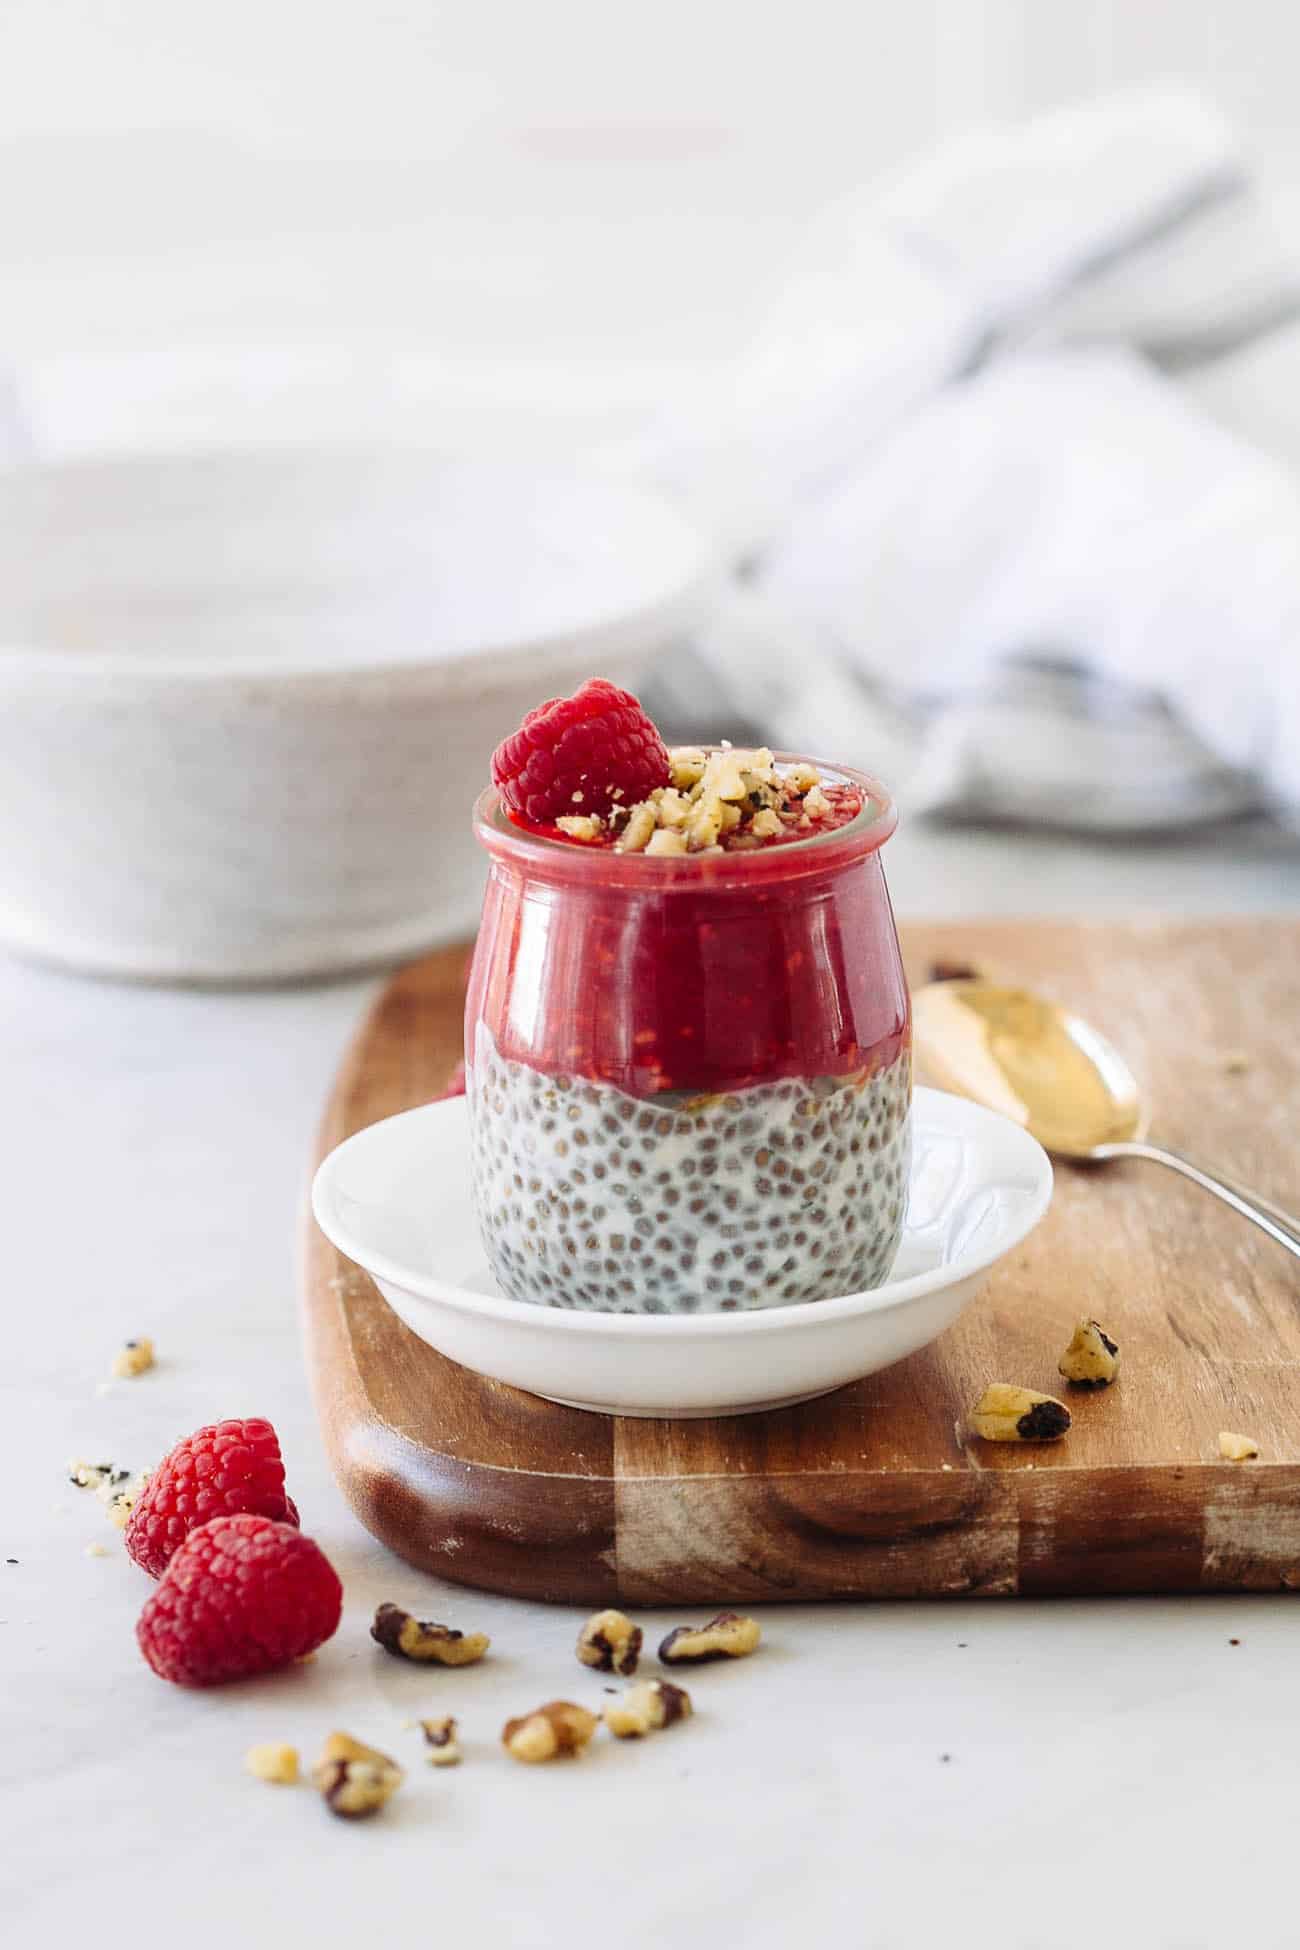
point(218, 1471)
point(242, 1595)
point(580, 754)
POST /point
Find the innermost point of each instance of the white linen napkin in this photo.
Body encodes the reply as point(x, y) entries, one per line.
point(992, 418)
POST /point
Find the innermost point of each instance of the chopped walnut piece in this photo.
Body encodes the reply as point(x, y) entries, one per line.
point(273, 1762)
point(1092, 1358)
point(672, 809)
point(355, 1780)
point(559, 1727)
point(815, 803)
point(120, 1493)
point(412, 1638)
point(766, 825)
point(610, 1642)
point(133, 1357)
point(440, 1738)
point(666, 841)
point(1005, 1413)
point(1237, 1448)
point(639, 829)
point(581, 826)
point(728, 1636)
point(802, 778)
point(686, 766)
point(92, 1476)
point(645, 1708)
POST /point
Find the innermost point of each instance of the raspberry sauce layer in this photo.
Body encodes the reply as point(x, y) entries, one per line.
point(707, 973)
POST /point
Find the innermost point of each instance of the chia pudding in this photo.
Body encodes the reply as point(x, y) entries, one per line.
point(688, 1039)
point(760, 1197)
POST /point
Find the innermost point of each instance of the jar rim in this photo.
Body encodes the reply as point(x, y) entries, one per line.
point(567, 860)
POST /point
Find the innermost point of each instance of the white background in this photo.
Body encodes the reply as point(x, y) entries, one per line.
point(578, 180)
point(600, 188)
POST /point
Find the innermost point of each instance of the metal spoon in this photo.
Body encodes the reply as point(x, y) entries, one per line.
point(1053, 1073)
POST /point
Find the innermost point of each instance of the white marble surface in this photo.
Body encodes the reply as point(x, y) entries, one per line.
point(1116, 1770)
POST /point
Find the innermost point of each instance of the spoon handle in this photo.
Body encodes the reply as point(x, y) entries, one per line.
point(1272, 1219)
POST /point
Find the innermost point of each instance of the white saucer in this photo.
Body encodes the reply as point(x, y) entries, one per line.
point(395, 1198)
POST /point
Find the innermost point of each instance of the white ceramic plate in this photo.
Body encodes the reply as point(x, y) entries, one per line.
point(395, 1198)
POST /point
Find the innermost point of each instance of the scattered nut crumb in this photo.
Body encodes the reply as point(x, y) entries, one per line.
point(637, 832)
point(686, 766)
point(610, 1642)
point(1092, 1358)
point(411, 1638)
point(440, 1738)
point(728, 1636)
point(120, 1494)
point(1237, 1448)
point(953, 971)
point(1008, 1414)
point(273, 1762)
point(666, 841)
point(559, 1727)
point(355, 1780)
point(133, 1357)
point(581, 826)
point(731, 794)
point(98, 1550)
point(643, 1709)
point(1234, 1062)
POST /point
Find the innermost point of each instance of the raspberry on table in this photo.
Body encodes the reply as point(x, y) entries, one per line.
point(580, 754)
point(243, 1595)
point(224, 1470)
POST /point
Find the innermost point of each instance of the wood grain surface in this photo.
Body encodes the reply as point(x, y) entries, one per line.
point(876, 1491)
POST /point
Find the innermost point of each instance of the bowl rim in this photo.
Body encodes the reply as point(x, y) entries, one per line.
point(697, 570)
point(892, 1293)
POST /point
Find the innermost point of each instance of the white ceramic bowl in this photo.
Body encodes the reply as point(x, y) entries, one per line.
point(247, 699)
point(395, 1198)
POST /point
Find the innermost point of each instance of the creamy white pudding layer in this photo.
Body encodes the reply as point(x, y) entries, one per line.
point(762, 1197)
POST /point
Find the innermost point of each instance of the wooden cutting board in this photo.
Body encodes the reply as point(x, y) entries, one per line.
point(875, 1491)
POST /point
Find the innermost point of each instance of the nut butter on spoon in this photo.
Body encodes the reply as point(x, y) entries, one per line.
point(1054, 1074)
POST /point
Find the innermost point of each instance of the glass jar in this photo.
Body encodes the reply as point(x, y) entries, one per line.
point(689, 1078)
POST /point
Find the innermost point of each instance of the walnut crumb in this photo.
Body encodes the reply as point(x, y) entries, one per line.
point(1237, 1448)
point(645, 1708)
point(98, 1550)
point(355, 1780)
point(666, 841)
point(440, 1739)
point(412, 1638)
point(581, 826)
point(610, 1642)
point(120, 1494)
point(1092, 1358)
point(734, 795)
point(728, 1636)
point(133, 1357)
point(1005, 1413)
point(559, 1727)
point(273, 1762)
